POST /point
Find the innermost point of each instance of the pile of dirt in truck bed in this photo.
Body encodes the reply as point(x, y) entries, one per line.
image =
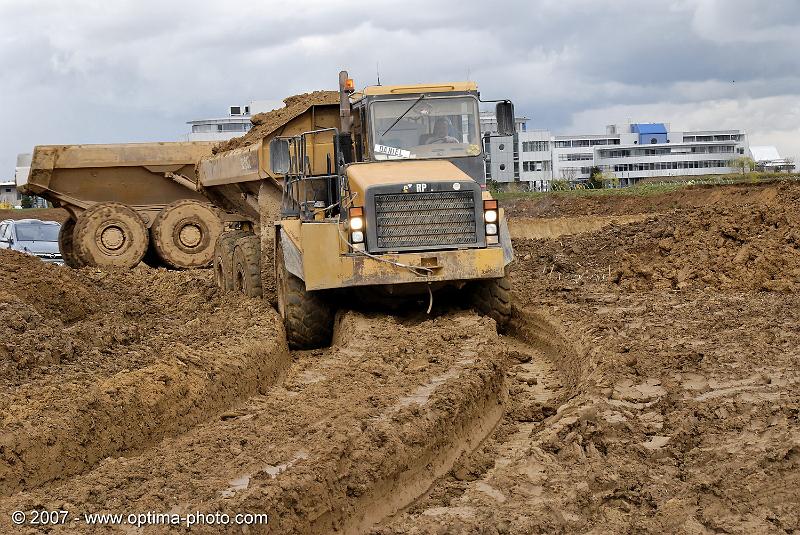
point(266, 123)
point(45, 214)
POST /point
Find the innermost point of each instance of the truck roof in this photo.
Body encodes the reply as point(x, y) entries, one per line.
point(419, 88)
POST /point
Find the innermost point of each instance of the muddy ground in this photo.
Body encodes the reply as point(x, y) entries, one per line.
point(46, 214)
point(648, 383)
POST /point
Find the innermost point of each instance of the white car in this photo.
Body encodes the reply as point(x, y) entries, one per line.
point(32, 236)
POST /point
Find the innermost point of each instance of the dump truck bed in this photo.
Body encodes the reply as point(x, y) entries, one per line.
point(127, 202)
point(136, 174)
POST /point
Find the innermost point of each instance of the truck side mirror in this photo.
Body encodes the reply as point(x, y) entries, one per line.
point(279, 157)
point(504, 112)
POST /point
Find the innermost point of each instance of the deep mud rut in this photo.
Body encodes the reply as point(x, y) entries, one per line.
point(650, 382)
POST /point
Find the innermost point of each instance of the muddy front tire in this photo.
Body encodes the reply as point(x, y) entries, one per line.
point(224, 248)
point(492, 298)
point(307, 317)
point(110, 234)
point(247, 266)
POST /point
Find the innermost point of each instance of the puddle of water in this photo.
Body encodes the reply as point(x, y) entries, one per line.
point(423, 393)
point(274, 471)
point(243, 481)
point(310, 377)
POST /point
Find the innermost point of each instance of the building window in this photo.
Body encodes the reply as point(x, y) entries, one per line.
point(576, 157)
point(502, 167)
point(501, 146)
point(535, 146)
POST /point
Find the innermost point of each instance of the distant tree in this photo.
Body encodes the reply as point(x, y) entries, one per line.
point(609, 180)
point(569, 173)
point(596, 178)
point(27, 201)
point(744, 163)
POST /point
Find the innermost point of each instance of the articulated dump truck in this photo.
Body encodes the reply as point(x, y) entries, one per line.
point(127, 203)
point(367, 195)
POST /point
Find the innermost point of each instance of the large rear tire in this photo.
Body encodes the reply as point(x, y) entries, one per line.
point(307, 317)
point(223, 258)
point(66, 244)
point(184, 234)
point(493, 298)
point(247, 266)
point(110, 234)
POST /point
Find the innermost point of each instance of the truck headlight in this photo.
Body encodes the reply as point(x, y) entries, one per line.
point(357, 236)
point(490, 211)
point(356, 214)
point(491, 229)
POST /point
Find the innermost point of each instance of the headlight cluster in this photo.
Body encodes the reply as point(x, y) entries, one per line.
point(490, 220)
point(490, 216)
point(356, 225)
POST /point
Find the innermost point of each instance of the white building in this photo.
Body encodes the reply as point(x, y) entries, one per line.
point(533, 158)
point(8, 190)
point(8, 193)
point(767, 158)
point(237, 123)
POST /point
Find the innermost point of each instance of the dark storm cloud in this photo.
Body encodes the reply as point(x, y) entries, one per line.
point(91, 71)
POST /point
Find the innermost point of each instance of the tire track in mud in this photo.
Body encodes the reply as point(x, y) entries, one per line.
point(544, 370)
point(353, 433)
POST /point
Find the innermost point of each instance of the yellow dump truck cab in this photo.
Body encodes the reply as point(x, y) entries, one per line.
point(381, 191)
point(431, 229)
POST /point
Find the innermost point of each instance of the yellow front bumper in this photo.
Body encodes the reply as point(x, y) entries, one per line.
point(324, 267)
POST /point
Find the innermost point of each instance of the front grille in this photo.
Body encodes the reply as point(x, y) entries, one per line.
point(409, 220)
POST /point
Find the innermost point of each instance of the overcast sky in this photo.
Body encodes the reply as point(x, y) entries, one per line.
point(86, 71)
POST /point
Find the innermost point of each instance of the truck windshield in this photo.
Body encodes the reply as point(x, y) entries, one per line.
point(37, 232)
point(433, 127)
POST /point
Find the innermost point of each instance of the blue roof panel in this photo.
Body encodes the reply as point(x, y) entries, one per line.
point(649, 128)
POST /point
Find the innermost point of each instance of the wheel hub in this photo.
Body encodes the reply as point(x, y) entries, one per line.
point(112, 238)
point(190, 235)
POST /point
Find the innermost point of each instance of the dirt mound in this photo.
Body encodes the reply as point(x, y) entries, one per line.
point(266, 123)
point(622, 202)
point(45, 214)
point(37, 301)
point(749, 246)
point(94, 363)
